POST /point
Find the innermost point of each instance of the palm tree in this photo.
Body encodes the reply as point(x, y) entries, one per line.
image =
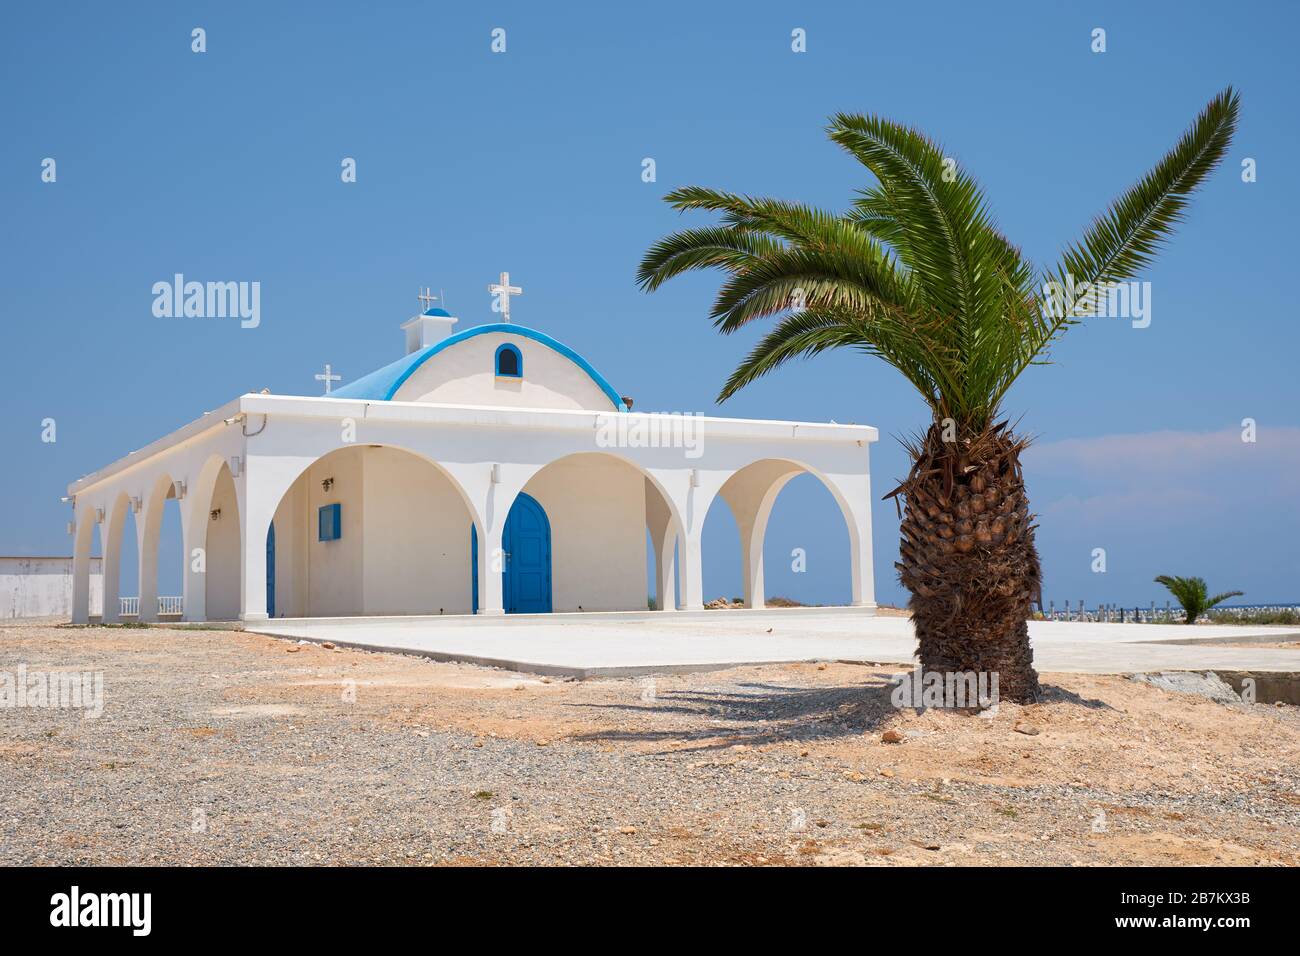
point(917, 273)
point(1192, 593)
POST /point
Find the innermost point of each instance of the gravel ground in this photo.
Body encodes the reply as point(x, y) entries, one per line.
point(219, 747)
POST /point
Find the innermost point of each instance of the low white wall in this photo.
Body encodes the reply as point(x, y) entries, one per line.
point(42, 587)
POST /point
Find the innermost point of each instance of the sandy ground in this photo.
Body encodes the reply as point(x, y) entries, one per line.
point(1253, 645)
point(220, 747)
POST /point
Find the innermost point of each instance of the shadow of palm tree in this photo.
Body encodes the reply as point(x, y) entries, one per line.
point(757, 713)
point(754, 714)
point(1053, 694)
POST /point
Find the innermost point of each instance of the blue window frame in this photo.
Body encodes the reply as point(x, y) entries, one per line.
point(331, 522)
point(509, 361)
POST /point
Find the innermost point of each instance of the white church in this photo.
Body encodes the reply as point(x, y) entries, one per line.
point(489, 470)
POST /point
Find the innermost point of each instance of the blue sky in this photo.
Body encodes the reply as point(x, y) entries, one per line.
point(225, 166)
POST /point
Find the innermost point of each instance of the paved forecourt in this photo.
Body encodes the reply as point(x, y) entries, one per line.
point(630, 643)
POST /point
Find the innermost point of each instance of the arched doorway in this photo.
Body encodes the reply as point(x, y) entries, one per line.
point(597, 507)
point(368, 529)
point(525, 559)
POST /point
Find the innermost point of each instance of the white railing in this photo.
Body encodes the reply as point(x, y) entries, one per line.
point(167, 604)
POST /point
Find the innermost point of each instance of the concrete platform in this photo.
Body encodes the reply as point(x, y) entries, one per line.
point(649, 642)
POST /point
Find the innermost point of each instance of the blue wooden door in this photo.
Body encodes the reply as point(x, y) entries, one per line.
point(526, 563)
point(527, 545)
point(270, 571)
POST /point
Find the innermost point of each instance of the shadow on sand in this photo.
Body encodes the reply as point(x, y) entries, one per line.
point(756, 713)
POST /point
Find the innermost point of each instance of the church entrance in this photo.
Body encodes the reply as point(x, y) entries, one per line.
point(526, 559)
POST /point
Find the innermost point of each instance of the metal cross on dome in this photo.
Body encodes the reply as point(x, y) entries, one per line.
point(328, 377)
point(503, 290)
point(426, 300)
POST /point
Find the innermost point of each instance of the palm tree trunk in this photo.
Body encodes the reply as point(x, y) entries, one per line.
point(968, 558)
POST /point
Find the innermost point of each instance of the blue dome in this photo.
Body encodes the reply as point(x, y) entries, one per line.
point(437, 311)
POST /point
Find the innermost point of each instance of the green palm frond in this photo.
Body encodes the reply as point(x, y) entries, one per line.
point(1220, 598)
point(1126, 238)
point(916, 271)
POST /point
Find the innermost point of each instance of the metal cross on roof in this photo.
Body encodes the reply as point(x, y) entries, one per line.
point(328, 377)
point(503, 290)
point(426, 300)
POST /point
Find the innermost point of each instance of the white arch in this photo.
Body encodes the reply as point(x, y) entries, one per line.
point(83, 540)
point(264, 496)
point(148, 529)
point(111, 543)
point(751, 492)
point(663, 515)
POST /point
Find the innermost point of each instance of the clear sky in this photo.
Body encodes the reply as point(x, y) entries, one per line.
point(225, 166)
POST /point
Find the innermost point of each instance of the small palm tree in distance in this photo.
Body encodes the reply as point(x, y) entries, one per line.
point(1192, 594)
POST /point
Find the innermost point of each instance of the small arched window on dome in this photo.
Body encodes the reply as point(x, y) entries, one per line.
point(509, 362)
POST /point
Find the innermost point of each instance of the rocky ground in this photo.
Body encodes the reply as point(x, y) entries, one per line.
point(218, 747)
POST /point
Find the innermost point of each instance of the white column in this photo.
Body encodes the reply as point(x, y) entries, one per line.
point(751, 560)
point(663, 539)
point(112, 562)
point(194, 580)
point(85, 531)
point(491, 599)
point(148, 529)
point(255, 516)
point(862, 571)
point(147, 561)
point(853, 493)
point(666, 573)
point(692, 570)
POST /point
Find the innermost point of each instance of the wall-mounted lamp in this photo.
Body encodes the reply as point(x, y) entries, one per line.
point(327, 484)
point(496, 474)
point(178, 490)
point(134, 504)
point(236, 463)
point(99, 516)
point(695, 477)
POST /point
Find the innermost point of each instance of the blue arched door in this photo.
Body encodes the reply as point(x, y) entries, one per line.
point(526, 562)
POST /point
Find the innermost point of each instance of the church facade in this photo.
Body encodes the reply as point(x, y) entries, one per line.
point(490, 470)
